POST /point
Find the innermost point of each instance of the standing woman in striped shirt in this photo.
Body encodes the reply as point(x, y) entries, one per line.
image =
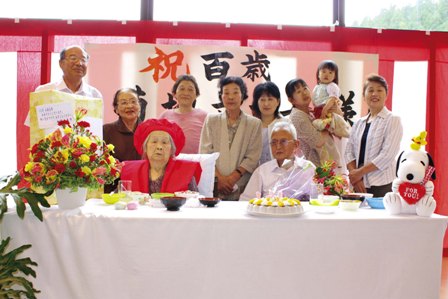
point(374, 142)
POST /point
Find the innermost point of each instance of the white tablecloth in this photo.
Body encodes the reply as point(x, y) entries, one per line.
point(98, 252)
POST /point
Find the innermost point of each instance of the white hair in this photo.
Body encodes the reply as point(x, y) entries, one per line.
point(286, 126)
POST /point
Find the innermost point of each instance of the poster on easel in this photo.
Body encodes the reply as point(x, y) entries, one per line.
point(50, 106)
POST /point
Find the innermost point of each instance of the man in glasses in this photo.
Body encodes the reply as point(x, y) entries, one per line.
point(285, 175)
point(73, 61)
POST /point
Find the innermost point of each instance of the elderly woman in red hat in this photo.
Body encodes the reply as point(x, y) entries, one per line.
point(159, 141)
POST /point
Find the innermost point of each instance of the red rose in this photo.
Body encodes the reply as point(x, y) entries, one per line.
point(79, 173)
point(83, 124)
point(72, 164)
point(64, 122)
point(59, 168)
point(93, 146)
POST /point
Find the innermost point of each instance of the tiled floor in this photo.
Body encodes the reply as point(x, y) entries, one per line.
point(444, 284)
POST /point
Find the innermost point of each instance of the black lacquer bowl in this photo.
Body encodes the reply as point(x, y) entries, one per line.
point(210, 202)
point(173, 203)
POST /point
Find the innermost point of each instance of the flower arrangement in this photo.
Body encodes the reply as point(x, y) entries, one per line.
point(334, 184)
point(71, 157)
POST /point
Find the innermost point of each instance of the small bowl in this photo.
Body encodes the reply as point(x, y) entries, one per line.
point(349, 204)
point(160, 195)
point(353, 196)
point(366, 195)
point(210, 202)
point(173, 203)
point(376, 202)
point(113, 198)
point(325, 203)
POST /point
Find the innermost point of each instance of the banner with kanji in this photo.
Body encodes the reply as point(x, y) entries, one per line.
point(154, 68)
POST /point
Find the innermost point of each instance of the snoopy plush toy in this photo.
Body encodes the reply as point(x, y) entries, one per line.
point(412, 190)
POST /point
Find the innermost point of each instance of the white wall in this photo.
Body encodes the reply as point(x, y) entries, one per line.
point(8, 113)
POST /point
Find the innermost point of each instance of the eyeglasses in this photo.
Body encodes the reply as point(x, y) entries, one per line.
point(74, 58)
point(281, 142)
point(131, 102)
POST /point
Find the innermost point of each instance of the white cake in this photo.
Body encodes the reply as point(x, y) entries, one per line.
point(275, 206)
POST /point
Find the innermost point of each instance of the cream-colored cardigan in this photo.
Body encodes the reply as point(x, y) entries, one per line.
point(245, 150)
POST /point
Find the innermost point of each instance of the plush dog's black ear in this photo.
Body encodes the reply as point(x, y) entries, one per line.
point(431, 163)
point(398, 163)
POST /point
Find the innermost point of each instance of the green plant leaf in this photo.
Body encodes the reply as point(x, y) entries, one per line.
point(20, 205)
point(12, 286)
point(33, 198)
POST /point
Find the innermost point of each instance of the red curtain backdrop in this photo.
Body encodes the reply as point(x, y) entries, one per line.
point(34, 40)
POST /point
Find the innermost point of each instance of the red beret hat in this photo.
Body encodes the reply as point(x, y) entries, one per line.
point(150, 125)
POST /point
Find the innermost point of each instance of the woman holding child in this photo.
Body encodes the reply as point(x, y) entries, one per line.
point(311, 139)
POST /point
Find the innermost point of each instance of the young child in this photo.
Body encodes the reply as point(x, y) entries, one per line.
point(326, 91)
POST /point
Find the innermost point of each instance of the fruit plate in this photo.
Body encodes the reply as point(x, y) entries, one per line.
point(262, 214)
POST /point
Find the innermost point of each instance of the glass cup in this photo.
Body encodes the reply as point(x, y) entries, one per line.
point(125, 186)
point(317, 191)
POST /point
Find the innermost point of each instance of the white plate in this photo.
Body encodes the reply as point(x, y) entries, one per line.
point(275, 215)
point(156, 203)
point(187, 194)
point(324, 209)
point(366, 195)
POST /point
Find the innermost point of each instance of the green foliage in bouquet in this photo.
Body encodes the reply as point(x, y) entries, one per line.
point(13, 283)
point(71, 157)
point(8, 187)
point(334, 184)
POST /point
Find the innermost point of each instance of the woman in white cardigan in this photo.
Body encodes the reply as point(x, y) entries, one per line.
point(236, 136)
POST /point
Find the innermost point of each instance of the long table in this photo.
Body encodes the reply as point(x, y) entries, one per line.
point(222, 252)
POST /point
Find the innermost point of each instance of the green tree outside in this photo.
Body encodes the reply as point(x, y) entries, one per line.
point(424, 15)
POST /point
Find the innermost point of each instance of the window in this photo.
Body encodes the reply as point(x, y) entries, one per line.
point(409, 100)
point(81, 9)
point(279, 12)
point(397, 14)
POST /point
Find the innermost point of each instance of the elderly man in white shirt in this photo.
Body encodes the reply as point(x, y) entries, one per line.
point(73, 63)
point(286, 173)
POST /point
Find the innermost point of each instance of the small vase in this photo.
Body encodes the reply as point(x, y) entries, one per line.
point(71, 200)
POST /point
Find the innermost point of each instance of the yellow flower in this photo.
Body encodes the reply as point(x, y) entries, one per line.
point(84, 158)
point(86, 170)
point(29, 166)
point(111, 147)
point(112, 160)
point(61, 155)
point(85, 141)
point(68, 130)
